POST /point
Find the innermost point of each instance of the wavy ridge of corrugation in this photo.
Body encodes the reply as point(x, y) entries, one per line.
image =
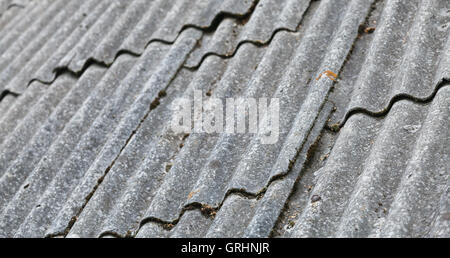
point(268, 18)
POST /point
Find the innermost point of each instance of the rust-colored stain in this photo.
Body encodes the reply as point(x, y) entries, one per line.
point(369, 30)
point(329, 74)
point(192, 194)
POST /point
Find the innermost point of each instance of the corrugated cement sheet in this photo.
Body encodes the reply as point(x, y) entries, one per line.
point(86, 147)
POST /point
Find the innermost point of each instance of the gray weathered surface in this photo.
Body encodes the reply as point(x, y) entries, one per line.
point(385, 177)
point(268, 18)
point(66, 34)
point(87, 150)
point(408, 55)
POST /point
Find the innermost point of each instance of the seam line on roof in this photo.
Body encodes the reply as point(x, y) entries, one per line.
point(6, 93)
point(361, 33)
point(220, 17)
point(253, 42)
point(313, 147)
point(59, 71)
point(399, 97)
point(12, 5)
point(309, 154)
point(15, 5)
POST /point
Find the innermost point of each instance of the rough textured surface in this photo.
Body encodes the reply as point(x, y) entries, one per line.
point(68, 35)
point(407, 56)
point(87, 90)
point(384, 177)
point(268, 18)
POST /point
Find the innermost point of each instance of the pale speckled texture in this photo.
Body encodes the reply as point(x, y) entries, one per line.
point(86, 147)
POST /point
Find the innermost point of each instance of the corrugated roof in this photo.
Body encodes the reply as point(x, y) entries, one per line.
point(268, 18)
point(58, 35)
point(406, 57)
point(383, 177)
point(86, 147)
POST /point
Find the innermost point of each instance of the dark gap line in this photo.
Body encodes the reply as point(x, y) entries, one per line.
point(253, 42)
point(8, 92)
point(399, 97)
point(361, 33)
point(231, 55)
